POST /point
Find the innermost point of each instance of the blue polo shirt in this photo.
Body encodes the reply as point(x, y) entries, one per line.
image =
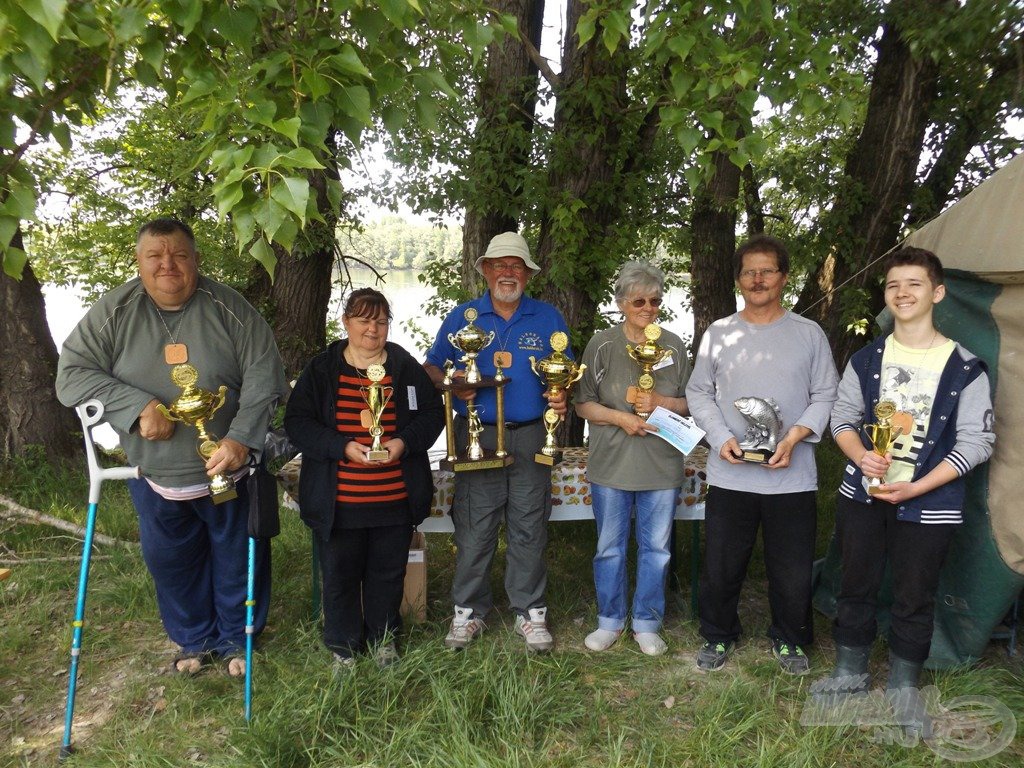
point(527, 332)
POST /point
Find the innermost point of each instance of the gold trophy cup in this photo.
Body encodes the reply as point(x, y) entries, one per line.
point(559, 373)
point(882, 436)
point(376, 398)
point(648, 354)
point(470, 340)
point(195, 406)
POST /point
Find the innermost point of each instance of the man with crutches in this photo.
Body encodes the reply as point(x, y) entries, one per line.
point(189, 375)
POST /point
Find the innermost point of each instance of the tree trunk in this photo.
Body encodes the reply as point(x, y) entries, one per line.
point(867, 213)
point(714, 243)
point(506, 101)
point(29, 411)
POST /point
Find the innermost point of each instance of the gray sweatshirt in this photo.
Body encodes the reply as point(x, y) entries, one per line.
point(116, 355)
point(788, 361)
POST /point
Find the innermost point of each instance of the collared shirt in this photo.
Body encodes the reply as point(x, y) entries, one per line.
point(527, 332)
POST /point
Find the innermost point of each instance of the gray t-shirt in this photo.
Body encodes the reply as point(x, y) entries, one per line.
point(788, 361)
point(617, 459)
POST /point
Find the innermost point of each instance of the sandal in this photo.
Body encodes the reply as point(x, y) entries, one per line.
point(193, 663)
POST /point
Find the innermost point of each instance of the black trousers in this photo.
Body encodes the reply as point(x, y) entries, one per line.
point(788, 522)
point(363, 572)
point(867, 534)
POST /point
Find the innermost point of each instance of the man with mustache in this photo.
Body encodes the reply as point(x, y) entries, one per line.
point(762, 351)
point(521, 492)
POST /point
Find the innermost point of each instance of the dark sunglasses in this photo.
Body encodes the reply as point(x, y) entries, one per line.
point(655, 302)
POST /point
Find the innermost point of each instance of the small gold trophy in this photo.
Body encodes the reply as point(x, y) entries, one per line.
point(376, 398)
point(195, 406)
point(470, 340)
point(882, 436)
point(474, 451)
point(559, 373)
point(648, 354)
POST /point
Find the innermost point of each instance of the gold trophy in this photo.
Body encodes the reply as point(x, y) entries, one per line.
point(648, 354)
point(470, 340)
point(376, 398)
point(559, 373)
point(195, 406)
point(882, 435)
point(474, 451)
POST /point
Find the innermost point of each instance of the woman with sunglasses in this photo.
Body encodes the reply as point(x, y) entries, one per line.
point(629, 468)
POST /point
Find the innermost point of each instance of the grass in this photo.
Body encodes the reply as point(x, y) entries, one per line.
point(492, 705)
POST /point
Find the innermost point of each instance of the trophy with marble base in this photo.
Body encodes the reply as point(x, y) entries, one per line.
point(195, 406)
point(470, 340)
point(648, 354)
point(882, 435)
point(559, 373)
point(764, 428)
point(376, 398)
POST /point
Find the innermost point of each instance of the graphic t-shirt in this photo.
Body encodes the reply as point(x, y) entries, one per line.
point(910, 378)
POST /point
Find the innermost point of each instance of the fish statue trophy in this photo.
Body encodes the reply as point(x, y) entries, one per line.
point(195, 406)
point(470, 340)
point(764, 428)
point(882, 435)
point(648, 354)
point(376, 398)
point(559, 373)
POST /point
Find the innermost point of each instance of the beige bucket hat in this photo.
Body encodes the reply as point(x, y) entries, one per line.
point(508, 244)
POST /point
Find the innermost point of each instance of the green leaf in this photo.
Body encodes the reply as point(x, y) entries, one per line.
point(237, 24)
point(129, 22)
point(682, 82)
point(293, 193)
point(289, 127)
point(354, 101)
point(437, 80)
point(348, 61)
point(227, 197)
point(261, 113)
point(681, 45)
point(610, 38)
point(35, 69)
point(688, 138)
point(316, 85)
point(15, 260)
point(300, 157)
point(394, 118)
point(426, 111)
point(20, 202)
point(8, 226)
point(270, 214)
point(49, 14)
point(62, 135)
point(587, 26)
point(264, 254)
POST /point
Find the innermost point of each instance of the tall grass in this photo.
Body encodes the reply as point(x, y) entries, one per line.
point(491, 705)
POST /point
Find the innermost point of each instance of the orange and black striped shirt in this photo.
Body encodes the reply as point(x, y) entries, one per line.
point(361, 487)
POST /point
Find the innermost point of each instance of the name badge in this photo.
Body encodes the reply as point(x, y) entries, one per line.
point(663, 364)
point(411, 393)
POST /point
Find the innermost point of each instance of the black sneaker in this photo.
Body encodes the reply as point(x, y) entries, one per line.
point(712, 656)
point(791, 658)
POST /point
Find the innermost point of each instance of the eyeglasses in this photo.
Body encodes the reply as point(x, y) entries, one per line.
point(654, 302)
point(750, 274)
point(515, 267)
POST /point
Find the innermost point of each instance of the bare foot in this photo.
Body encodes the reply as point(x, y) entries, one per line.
point(188, 666)
point(236, 666)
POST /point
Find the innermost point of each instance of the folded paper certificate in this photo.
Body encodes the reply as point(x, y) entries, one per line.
point(678, 431)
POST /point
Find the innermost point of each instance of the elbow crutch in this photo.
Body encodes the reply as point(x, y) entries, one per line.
point(91, 414)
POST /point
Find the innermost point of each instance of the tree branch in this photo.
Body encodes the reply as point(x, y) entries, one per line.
point(16, 511)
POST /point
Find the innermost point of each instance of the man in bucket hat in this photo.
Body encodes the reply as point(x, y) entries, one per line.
point(521, 492)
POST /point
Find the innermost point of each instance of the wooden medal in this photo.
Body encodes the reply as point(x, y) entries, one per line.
point(175, 354)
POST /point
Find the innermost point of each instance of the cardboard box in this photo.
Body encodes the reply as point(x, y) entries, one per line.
point(414, 599)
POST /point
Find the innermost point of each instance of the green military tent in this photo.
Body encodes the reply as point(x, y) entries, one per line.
point(980, 240)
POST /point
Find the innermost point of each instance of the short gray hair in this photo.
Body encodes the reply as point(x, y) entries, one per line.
point(638, 275)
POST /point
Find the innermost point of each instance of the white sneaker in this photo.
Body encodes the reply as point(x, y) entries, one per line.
point(602, 639)
point(465, 629)
point(535, 630)
point(650, 643)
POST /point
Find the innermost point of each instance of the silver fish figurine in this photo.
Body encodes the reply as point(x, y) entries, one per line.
point(764, 428)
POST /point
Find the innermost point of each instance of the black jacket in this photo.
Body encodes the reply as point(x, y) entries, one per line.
point(310, 422)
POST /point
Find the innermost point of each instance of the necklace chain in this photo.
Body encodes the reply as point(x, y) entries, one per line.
point(172, 336)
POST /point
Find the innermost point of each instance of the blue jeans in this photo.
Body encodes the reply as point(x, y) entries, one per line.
point(654, 513)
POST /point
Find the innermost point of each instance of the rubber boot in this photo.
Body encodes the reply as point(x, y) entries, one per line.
point(904, 695)
point(849, 677)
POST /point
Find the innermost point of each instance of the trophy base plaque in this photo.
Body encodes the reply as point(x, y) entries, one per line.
point(222, 491)
point(756, 455)
point(489, 461)
point(377, 455)
point(543, 458)
point(874, 486)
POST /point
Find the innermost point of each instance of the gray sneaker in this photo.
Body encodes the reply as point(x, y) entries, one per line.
point(791, 658)
point(385, 655)
point(712, 656)
point(465, 628)
point(535, 630)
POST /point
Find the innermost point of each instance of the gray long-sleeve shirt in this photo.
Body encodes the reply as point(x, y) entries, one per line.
point(116, 354)
point(788, 361)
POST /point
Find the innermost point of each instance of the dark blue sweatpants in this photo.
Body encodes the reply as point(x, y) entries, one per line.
point(197, 553)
